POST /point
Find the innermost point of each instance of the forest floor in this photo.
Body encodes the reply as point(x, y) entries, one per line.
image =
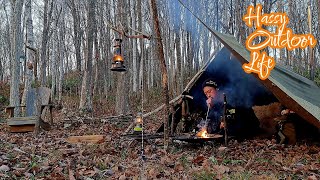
point(50, 156)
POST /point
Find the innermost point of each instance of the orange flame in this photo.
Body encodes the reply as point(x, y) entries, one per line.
point(203, 134)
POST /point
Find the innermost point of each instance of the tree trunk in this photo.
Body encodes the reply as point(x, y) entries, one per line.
point(163, 69)
point(134, 50)
point(183, 57)
point(190, 54)
point(45, 39)
point(62, 53)
point(1, 69)
point(16, 51)
point(141, 56)
point(316, 59)
point(30, 54)
point(54, 63)
point(178, 67)
point(86, 90)
point(97, 65)
point(122, 102)
point(76, 32)
point(105, 54)
point(311, 55)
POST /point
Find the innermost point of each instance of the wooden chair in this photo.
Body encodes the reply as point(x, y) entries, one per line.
point(32, 116)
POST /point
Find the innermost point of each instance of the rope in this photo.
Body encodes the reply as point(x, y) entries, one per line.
point(194, 15)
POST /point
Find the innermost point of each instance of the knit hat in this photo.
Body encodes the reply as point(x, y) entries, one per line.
point(210, 83)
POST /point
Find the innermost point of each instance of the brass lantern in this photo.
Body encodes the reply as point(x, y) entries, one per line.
point(117, 63)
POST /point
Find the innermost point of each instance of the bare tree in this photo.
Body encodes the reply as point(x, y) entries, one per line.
point(122, 105)
point(30, 54)
point(47, 19)
point(61, 49)
point(76, 32)
point(86, 89)
point(16, 51)
point(164, 73)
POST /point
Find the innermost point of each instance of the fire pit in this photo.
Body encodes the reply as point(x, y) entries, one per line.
point(204, 137)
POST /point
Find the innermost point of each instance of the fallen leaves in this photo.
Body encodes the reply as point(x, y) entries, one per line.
point(199, 159)
point(49, 157)
point(313, 177)
point(222, 148)
point(4, 168)
point(152, 173)
point(178, 167)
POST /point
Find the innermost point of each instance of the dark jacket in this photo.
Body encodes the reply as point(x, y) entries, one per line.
point(214, 118)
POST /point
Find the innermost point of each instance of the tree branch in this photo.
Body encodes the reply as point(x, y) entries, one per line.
point(121, 31)
point(31, 48)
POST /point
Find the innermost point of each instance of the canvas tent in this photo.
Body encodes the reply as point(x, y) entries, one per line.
point(290, 89)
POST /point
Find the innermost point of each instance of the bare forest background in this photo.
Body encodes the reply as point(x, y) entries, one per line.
point(67, 45)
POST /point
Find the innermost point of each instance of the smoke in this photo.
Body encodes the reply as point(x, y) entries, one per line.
point(241, 89)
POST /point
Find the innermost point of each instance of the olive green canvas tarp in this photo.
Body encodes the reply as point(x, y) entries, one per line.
point(292, 90)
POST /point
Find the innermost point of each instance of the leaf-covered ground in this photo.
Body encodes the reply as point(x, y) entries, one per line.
point(49, 156)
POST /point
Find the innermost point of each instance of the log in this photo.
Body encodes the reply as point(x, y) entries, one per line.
point(86, 139)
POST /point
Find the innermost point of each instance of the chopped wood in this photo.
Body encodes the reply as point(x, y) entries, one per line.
point(86, 139)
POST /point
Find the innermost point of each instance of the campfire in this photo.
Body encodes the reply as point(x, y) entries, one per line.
point(202, 134)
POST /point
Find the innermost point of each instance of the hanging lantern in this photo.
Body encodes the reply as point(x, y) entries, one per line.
point(138, 120)
point(117, 63)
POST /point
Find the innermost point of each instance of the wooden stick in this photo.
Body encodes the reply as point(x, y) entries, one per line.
point(129, 128)
point(162, 106)
point(122, 32)
point(225, 120)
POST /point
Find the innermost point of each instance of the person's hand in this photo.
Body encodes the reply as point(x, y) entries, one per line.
point(209, 102)
point(286, 111)
point(221, 125)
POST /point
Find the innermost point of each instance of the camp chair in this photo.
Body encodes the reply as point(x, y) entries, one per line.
point(27, 122)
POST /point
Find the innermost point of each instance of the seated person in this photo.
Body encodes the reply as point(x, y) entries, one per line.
point(241, 120)
point(215, 107)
